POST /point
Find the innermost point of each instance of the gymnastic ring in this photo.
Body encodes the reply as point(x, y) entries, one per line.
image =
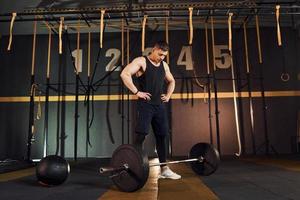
point(285, 77)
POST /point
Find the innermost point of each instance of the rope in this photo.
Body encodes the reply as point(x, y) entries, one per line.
point(101, 27)
point(60, 34)
point(191, 25)
point(11, 30)
point(229, 31)
point(278, 25)
point(143, 32)
point(258, 39)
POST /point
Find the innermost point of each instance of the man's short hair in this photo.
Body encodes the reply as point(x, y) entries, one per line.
point(162, 45)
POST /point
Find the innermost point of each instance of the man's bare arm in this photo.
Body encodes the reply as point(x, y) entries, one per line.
point(127, 73)
point(171, 83)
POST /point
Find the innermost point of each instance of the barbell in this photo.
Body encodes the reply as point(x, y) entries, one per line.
point(129, 167)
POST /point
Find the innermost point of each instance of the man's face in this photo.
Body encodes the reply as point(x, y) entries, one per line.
point(158, 54)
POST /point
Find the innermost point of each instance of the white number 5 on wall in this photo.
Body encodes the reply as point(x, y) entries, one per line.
point(222, 57)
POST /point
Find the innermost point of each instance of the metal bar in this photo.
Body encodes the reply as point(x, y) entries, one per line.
point(163, 7)
point(31, 121)
point(87, 142)
point(208, 86)
point(103, 170)
point(128, 103)
point(46, 118)
point(76, 117)
point(122, 84)
point(76, 96)
point(31, 106)
point(215, 86)
point(177, 161)
point(72, 18)
point(249, 90)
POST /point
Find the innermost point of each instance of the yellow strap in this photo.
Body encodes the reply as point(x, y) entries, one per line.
point(128, 44)
point(246, 47)
point(143, 32)
point(213, 42)
point(33, 48)
point(60, 34)
point(229, 32)
point(11, 30)
point(122, 42)
point(258, 39)
point(207, 49)
point(191, 25)
point(101, 27)
point(278, 25)
point(49, 52)
point(167, 35)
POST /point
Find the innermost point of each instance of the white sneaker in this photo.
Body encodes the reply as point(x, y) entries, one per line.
point(166, 172)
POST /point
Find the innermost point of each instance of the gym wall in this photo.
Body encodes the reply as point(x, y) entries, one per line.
point(188, 109)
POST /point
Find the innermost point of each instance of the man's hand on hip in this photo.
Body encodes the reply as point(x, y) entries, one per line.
point(144, 95)
point(165, 98)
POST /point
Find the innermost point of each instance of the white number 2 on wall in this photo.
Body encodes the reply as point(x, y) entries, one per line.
point(115, 54)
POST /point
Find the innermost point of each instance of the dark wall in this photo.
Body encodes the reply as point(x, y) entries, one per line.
point(189, 116)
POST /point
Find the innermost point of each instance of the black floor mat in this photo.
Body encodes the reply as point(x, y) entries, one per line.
point(237, 180)
point(84, 182)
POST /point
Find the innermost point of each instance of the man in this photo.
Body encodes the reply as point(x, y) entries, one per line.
point(152, 72)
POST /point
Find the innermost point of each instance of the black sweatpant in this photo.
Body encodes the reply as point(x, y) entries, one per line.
point(156, 116)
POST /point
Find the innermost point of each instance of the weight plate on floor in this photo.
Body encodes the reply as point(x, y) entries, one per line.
point(210, 159)
point(136, 176)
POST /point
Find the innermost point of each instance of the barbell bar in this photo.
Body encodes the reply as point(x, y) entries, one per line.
point(200, 159)
point(103, 170)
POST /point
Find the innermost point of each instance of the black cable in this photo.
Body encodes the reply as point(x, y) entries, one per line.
point(192, 92)
point(93, 109)
point(58, 106)
point(46, 117)
point(107, 115)
point(184, 85)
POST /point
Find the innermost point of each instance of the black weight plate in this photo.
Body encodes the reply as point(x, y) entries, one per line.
point(211, 159)
point(136, 176)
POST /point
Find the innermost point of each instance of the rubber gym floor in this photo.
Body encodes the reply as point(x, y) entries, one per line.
point(236, 179)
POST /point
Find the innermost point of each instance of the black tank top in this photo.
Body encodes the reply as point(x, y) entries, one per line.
point(152, 81)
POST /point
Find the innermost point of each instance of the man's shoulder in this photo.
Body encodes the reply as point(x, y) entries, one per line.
point(140, 59)
point(165, 64)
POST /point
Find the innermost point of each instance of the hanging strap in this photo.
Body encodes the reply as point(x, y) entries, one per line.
point(14, 15)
